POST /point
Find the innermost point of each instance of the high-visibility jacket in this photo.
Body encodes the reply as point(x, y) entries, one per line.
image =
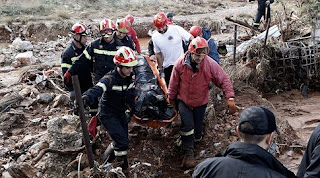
point(68, 56)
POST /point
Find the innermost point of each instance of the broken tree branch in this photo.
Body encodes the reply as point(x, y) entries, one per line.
point(62, 152)
point(243, 24)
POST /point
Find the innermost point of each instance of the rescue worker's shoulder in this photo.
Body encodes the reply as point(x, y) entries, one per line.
point(68, 52)
point(107, 79)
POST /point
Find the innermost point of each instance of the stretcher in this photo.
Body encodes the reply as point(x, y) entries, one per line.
point(161, 82)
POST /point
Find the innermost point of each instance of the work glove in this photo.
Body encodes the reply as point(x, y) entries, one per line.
point(231, 106)
point(161, 73)
point(66, 77)
point(267, 3)
point(129, 114)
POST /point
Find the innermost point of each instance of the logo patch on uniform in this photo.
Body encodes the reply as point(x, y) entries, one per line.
point(170, 38)
point(100, 46)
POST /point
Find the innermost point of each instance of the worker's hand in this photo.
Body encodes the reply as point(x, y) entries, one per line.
point(66, 77)
point(161, 73)
point(231, 106)
point(267, 3)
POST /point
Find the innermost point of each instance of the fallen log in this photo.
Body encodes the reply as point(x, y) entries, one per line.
point(244, 24)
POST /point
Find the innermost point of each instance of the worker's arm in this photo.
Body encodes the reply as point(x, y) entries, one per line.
point(313, 169)
point(91, 95)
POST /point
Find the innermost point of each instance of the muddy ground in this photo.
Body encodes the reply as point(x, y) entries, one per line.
point(153, 152)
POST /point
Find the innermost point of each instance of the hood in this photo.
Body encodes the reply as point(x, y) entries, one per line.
point(206, 33)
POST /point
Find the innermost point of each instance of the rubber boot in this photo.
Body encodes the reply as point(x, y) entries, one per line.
point(122, 161)
point(188, 160)
point(108, 154)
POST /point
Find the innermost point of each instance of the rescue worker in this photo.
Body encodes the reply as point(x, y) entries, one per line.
point(123, 27)
point(189, 87)
point(310, 163)
point(206, 34)
point(170, 18)
point(99, 54)
point(70, 54)
point(248, 158)
point(167, 44)
point(262, 6)
point(133, 34)
point(117, 91)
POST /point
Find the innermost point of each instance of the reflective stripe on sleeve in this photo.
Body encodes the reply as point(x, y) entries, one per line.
point(65, 65)
point(74, 58)
point(85, 52)
point(102, 85)
point(105, 52)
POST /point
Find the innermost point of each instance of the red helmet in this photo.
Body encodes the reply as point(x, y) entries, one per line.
point(80, 28)
point(123, 25)
point(106, 26)
point(199, 46)
point(160, 20)
point(125, 57)
point(130, 18)
point(196, 31)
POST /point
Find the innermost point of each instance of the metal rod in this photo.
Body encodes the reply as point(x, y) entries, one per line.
point(267, 31)
point(77, 91)
point(235, 45)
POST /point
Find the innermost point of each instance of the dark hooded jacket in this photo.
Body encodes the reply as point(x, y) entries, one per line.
point(213, 53)
point(310, 163)
point(242, 160)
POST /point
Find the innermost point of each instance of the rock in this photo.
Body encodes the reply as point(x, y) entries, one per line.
point(6, 174)
point(37, 147)
point(44, 98)
point(22, 170)
point(20, 45)
point(36, 121)
point(6, 33)
point(25, 91)
point(8, 119)
point(61, 100)
point(23, 59)
point(22, 158)
point(2, 59)
point(26, 102)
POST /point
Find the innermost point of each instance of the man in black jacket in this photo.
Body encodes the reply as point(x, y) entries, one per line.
point(310, 164)
point(249, 157)
point(116, 90)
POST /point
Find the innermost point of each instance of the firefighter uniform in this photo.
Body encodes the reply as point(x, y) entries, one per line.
point(261, 12)
point(99, 57)
point(117, 96)
point(69, 55)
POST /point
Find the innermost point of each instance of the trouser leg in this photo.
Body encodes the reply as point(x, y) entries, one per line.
point(167, 74)
point(187, 126)
point(198, 115)
point(117, 127)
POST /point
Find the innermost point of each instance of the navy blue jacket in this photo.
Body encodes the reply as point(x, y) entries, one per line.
point(70, 55)
point(213, 53)
point(117, 93)
point(310, 163)
point(242, 160)
point(98, 56)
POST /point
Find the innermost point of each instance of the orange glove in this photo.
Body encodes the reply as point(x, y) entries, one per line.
point(231, 106)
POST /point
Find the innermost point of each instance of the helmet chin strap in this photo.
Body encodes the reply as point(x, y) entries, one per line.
point(120, 67)
point(79, 41)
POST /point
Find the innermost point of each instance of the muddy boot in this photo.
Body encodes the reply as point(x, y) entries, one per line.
point(188, 160)
point(108, 154)
point(122, 161)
